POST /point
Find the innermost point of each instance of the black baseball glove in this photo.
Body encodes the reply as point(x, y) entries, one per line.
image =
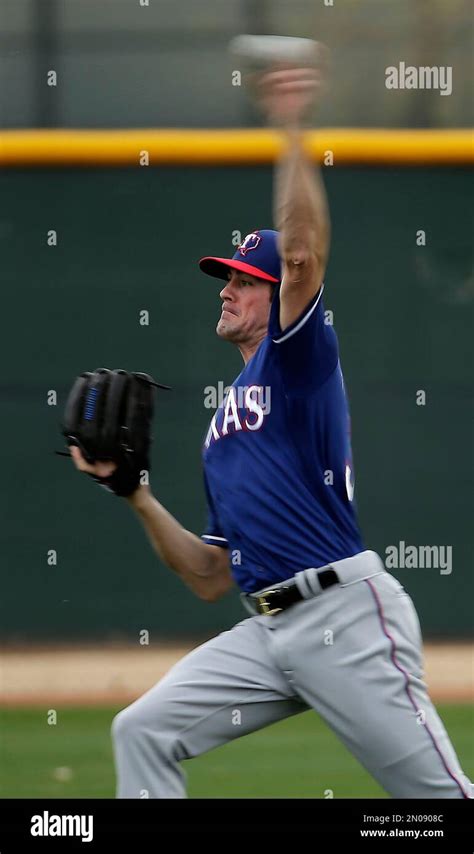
point(108, 415)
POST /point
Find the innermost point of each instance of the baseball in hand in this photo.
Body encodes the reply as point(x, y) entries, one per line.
point(284, 74)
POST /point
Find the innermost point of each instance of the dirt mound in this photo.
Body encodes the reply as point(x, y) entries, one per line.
point(117, 675)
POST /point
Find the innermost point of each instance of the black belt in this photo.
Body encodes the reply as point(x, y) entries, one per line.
point(273, 601)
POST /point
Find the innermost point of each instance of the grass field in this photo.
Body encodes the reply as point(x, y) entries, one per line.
point(298, 758)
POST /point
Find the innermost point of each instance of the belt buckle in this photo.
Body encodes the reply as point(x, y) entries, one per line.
point(264, 605)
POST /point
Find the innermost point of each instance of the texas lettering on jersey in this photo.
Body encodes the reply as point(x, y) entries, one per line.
point(244, 408)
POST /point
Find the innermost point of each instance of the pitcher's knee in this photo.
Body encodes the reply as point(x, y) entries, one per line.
point(132, 726)
point(122, 726)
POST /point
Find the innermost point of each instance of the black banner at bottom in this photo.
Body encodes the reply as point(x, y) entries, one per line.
point(63, 825)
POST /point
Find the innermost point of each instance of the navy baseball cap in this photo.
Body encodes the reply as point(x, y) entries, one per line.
point(257, 255)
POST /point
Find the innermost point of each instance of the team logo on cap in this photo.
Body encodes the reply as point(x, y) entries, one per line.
point(250, 242)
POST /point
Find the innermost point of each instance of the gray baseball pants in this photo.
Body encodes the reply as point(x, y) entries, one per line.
point(352, 652)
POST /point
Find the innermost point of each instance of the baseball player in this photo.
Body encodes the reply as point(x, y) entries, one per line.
point(327, 627)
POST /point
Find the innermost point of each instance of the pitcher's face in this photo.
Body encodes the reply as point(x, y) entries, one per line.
point(246, 304)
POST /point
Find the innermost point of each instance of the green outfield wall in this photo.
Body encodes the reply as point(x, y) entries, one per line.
point(127, 242)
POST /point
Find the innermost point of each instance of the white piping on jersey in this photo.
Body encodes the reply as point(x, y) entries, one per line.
point(210, 537)
point(301, 323)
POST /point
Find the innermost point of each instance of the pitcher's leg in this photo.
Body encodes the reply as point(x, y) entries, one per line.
point(222, 690)
point(368, 686)
point(429, 768)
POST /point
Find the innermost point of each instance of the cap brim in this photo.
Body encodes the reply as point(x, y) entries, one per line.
point(218, 267)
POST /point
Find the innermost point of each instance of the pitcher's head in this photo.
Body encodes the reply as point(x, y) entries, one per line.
point(251, 276)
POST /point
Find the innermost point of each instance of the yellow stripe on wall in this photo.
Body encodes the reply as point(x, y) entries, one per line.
point(239, 147)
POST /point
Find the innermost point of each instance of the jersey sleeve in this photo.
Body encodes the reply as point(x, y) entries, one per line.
point(213, 535)
point(307, 350)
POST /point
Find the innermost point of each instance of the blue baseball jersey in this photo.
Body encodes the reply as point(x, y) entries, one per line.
point(277, 457)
